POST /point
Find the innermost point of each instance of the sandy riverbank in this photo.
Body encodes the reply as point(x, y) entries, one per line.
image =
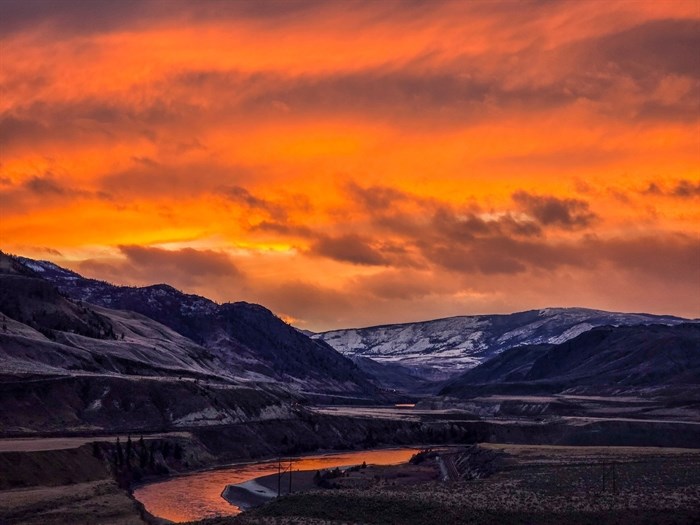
point(260, 490)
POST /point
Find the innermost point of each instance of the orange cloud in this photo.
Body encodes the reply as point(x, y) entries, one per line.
point(358, 164)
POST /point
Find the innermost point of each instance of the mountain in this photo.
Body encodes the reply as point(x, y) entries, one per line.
point(244, 339)
point(395, 377)
point(68, 366)
point(82, 355)
point(603, 361)
point(443, 348)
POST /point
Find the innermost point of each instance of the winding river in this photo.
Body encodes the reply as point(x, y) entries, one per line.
point(198, 495)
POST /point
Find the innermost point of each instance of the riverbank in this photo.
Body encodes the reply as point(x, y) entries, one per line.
point(547, 485)
point(260, 490)
point(199, 494)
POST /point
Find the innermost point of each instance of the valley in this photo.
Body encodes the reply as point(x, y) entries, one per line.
point(133, 405)
point(349, 262)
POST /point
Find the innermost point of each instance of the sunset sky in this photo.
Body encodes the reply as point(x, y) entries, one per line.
point(354, 163)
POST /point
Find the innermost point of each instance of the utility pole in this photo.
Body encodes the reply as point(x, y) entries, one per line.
point(290, 476)
point(279, 476)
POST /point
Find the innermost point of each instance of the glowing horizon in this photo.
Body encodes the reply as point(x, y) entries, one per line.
point(359, 163)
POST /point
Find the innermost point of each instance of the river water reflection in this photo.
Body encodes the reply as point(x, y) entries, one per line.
point(198, 495)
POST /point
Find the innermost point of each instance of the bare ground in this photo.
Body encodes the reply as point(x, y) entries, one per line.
point(96, 502)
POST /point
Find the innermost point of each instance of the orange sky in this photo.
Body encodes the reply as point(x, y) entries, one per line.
point(354, 163)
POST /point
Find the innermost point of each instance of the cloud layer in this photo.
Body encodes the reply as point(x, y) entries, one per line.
point(359, 163)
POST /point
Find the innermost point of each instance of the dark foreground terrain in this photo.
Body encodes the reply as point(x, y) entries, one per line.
point(532, 484)
point(571, 479)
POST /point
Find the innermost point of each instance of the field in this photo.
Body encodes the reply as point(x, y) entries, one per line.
point(533, 484)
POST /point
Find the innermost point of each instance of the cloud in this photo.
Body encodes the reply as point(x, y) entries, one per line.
point(186, 268)
point(684, 189)
point(503, 255)
point(42, 191)
point(350, 248)
point(669, 258)
point(553, 211)
point(197, 263)
point(309, 303)
point(44, 186)
point(402, 284)
point(240, 195)
point(655, 47)
point(376, 198)
point(399, 159)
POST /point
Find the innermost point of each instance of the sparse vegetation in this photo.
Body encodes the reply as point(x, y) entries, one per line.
point(537, 485)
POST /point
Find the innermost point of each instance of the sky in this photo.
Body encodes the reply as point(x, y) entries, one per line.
point(350, 163)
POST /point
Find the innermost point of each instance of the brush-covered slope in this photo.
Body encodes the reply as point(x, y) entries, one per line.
point(604, 360)
point(67, 366)
point(243, 339)
point(458, 343)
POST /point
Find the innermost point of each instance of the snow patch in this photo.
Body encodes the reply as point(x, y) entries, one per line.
point(34, 266)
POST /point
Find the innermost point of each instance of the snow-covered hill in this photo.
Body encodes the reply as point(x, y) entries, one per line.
point(456, 344)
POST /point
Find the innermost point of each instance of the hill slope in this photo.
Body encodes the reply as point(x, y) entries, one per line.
point(245, 340)
point(67, 366)
point(604, 360)
point(458, 343)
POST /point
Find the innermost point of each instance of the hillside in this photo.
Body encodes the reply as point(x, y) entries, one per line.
point(242, 339)
point(445, 347)
point(603, 361)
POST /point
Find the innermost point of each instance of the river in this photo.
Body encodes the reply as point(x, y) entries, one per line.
point(198, 495)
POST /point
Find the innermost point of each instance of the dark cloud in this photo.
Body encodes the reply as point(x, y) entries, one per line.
point(285, 229)
point(242, 196)
point(502, 255)
point(655, 47)
point(146, 161)
point(396, 93)
point(669, 258)
point(87, 17)
point(69, 15)
point(46, 185)
point(468, 225)
point(595, 69)
point(350, 248)
point(186, 268)
point(176, 180)
point(197, 263)
point(686, 188)
point(683, 189)
point(376, 198)
point(15, 130)
point(636, 62)
point(552, 211)
point(42, 190)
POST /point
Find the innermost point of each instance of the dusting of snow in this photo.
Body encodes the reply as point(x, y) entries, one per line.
point(95, 405)
point(274, 412)
point(34, 266)
point(205, 417)
point(455, 344)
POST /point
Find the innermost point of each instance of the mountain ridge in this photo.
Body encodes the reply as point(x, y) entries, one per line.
point(242, 337)
point(604, 359)
point(453, 344)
